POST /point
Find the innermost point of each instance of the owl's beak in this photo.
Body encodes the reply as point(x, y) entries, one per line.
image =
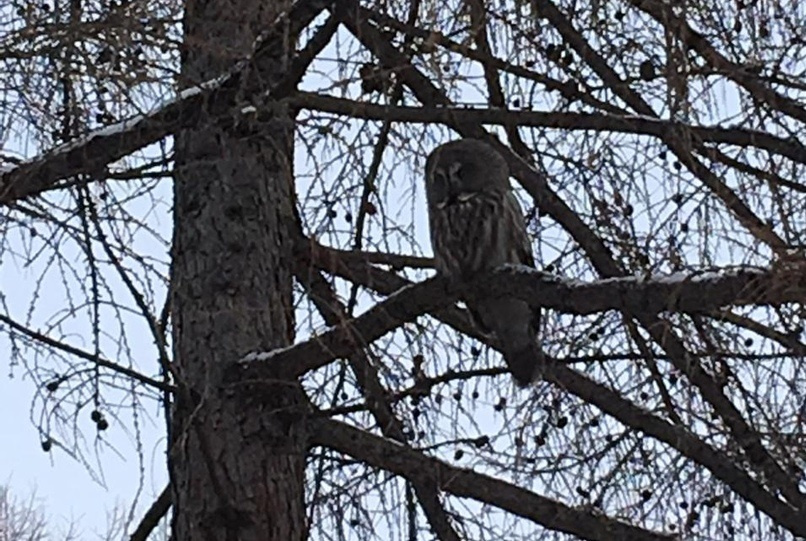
point(450, 181)
point(457, 199)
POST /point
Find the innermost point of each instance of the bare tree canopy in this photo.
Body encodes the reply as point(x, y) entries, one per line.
point(215, 211)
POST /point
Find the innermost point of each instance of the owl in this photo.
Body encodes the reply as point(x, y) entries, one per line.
point(476, 225)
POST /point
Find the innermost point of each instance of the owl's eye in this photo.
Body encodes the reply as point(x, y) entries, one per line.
point(441, 181)
point(439, 188)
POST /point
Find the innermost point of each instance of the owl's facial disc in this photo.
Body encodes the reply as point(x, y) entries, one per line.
point(448, 186)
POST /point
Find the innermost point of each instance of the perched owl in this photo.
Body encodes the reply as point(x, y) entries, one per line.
point(476, 225)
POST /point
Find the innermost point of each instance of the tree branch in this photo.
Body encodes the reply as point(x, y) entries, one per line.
point(642, 125)
point(662, 332)
point(679, 140)
point(695, 293)
point(81, 354)
point(92, 152)
point(611, 403)
point(366, 374)
point(395, 261)
point(678, 27)
point(356, 20)
point(153, 515)
point(429, 37)
point(412, 464)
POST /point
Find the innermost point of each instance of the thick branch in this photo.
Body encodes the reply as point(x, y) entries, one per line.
point(611, 403)
point(405, 305)
point(697, 293)
point(92, 152)
point(413, 465)
point(395, 261)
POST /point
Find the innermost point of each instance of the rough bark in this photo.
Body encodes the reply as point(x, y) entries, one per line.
point(237, 459)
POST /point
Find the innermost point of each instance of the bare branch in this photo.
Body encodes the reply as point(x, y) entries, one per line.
point(355, 18)
point(665, 16)
point(559, 120)
point(413, 465)
point(366, 374)
point(679, 140)
point(153, 516)
point(100, 361)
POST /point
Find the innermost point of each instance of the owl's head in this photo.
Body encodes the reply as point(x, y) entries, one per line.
point(458, 171)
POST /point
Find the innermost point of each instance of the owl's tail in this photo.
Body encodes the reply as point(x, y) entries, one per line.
point(515, 325)
point(525, 364)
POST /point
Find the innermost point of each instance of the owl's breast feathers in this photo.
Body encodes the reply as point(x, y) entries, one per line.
point(479, 233)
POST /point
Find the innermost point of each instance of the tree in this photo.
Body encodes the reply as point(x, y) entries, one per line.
point(27, 521)
point(317, 380)
point(20, 520)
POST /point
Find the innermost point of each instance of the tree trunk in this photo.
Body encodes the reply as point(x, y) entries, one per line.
point(237, 459)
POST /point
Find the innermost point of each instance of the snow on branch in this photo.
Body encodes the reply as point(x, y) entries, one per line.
point(638, 296)
point(90, 153)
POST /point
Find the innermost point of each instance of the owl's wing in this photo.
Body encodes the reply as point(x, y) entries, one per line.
point(525, 255)
point(522, 248)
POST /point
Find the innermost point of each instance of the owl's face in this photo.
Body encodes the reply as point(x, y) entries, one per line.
point(458, 171)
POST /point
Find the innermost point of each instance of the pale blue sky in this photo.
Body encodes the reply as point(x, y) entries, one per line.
point(63, 486)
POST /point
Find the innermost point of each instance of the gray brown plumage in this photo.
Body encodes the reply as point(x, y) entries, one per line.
point(476, 225)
